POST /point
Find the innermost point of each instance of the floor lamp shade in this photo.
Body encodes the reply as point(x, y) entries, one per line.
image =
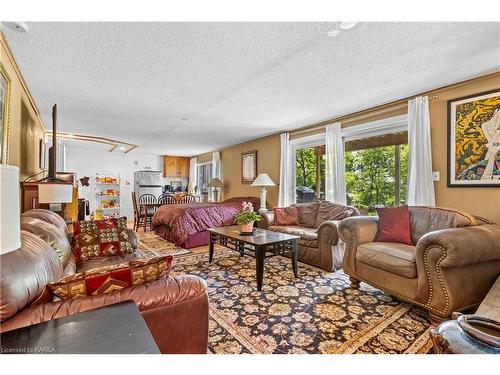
point(55, 193)
point(10, 210)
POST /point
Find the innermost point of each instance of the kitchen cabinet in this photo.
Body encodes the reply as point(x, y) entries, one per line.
point(175, 166)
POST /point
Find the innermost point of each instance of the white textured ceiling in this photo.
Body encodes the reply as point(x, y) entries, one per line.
point(235, 81)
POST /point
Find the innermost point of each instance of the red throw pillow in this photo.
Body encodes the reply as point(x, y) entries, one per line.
point(394, 225)
point(111, 278)
point(286, 216)
point(101, 238)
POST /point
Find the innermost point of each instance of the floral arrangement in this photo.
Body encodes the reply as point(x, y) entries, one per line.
point(247, 214)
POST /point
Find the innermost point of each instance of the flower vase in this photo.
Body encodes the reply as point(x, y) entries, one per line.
point(247, 228)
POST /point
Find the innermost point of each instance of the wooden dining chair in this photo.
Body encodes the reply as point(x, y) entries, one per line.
point(139, 214)
point(166, 199)
point(187, 198)
point(148, 199)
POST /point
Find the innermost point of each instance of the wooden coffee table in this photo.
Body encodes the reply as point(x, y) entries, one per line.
point(263, 244)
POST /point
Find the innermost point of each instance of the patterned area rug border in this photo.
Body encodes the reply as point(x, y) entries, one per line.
point(150, 244)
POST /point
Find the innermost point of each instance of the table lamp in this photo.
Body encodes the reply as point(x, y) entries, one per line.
point(56, 195)
point(263, 180)
point(10, 210)
point(216, 183)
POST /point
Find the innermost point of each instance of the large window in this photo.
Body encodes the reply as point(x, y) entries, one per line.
point(376, 176)
point(204, 176)
point(310, 174)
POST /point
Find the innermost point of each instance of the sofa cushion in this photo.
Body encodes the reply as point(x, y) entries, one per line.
point(428, 219)
point(394, 225)
point(25, 274)
point(100, 238)
point(389, 256)
point(328, 211)
point(50, 234)
point(109, 279)
point(49, 217)
point(286, 216)
point(308, 213)
point(308, 236)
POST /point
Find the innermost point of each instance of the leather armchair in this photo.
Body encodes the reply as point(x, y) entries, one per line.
point(450, 268)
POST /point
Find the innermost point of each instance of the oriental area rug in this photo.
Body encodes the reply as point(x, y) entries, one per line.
point(318, 312)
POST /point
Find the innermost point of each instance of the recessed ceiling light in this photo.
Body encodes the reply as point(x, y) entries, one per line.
point(17, 26)
point(346, 25)
point(333, 32)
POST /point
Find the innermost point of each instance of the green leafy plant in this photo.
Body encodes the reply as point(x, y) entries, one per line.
point(247, 214)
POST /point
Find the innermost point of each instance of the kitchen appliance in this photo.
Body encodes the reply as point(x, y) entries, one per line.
point(148, 182)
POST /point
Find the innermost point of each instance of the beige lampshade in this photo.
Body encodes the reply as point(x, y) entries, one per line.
point(55, 193)
point(215, 182)
point(10, 211)
point(263, 179)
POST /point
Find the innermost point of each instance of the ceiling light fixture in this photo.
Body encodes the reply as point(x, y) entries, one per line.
point(17, 26)
point(346, 25)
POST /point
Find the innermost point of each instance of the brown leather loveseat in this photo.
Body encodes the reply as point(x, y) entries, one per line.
point(319, 243)
point(453, 263)
point(174, 308)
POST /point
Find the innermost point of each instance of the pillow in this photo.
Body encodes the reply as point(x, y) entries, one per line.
point(101, 238)
point(286, 216)
point(108, 279)
point(394, 225)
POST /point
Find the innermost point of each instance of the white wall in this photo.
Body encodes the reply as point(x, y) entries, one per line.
point(87, 162)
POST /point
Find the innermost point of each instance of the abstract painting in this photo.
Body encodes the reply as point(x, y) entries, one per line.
point(474, 140)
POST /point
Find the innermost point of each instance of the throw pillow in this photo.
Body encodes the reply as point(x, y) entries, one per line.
point(286, 216)
point(101, 238)
point(111, 278)
point(394, 225)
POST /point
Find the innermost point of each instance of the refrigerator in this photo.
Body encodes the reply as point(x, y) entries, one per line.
point(148, 182)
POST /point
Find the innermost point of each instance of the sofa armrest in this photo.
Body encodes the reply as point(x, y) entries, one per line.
point(456, 267)
point(463, 246)
point(132, 238)
point(358, 229)
point(355, 231)
point(328, 234)
point(164, 292)
point(267, 219)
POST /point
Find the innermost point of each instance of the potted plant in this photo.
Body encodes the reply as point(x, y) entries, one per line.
point(246, 217)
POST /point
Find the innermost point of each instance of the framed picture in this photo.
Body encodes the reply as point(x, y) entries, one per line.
point(4, 114)
point(474, 140)
point(248, 167)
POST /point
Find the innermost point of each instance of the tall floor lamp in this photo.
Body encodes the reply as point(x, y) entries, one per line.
point(10, 214)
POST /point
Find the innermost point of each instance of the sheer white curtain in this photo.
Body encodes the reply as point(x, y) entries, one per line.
point(287, 178)
point(420, 181)
point(192, 173)
point(216, 173)
point(335, 188)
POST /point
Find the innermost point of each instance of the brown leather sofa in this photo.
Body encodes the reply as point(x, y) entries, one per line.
point(174, 308)
point(452, 265)
point(319, 243)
